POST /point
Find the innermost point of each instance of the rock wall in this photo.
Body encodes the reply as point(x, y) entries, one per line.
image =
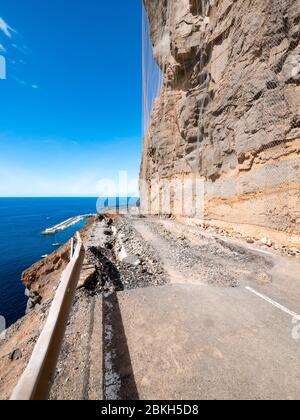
point(228, 115)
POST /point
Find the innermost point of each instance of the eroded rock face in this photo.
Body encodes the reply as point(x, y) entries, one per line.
point(229, 110)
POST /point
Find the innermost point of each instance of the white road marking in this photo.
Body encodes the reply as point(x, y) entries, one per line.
point(272, 302)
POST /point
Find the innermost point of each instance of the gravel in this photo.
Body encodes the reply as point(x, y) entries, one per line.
point(213, 260)
point(123, 259)
point(139, 268)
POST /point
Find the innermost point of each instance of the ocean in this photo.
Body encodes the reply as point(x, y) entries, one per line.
point(21, 243)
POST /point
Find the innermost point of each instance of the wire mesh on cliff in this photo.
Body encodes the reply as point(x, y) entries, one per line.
point(152, 74)
point(226, 78)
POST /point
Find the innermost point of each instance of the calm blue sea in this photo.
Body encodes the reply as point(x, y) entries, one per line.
point(21, 244)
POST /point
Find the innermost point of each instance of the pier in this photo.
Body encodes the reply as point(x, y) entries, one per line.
point(66, 224)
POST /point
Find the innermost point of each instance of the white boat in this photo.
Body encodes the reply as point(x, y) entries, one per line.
point(44, 256)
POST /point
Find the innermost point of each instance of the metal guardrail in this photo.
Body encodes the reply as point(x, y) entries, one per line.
point(36, 381)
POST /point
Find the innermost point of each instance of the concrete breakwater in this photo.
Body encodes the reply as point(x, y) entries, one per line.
point(66, 224)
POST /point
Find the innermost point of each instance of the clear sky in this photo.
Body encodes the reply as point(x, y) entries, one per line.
point(70, 110)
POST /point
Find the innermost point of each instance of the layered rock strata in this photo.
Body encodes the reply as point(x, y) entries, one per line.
point(223, 143)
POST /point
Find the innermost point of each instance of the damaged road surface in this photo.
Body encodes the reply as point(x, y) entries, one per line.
point(167, 311)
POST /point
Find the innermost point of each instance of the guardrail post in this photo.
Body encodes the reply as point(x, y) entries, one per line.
point(72, 248)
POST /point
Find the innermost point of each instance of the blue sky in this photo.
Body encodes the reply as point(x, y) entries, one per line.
point(70, 111)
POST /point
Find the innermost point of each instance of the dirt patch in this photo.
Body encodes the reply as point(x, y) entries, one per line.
point(200, 259)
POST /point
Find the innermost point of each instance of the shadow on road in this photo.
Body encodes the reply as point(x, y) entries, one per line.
point(118, 377)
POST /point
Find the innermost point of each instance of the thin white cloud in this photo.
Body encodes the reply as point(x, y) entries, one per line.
point(20, 81)
point(5, 28)
point(22, 49)
point(34, 86)
point(2, 49)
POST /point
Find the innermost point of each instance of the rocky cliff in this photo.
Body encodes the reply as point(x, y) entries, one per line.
point(228, 115)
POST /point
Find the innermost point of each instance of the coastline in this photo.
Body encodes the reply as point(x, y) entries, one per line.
point(40, 281)
point(37, 279)
point(22, 243)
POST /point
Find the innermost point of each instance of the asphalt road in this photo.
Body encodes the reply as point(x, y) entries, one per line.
point(224, 327)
